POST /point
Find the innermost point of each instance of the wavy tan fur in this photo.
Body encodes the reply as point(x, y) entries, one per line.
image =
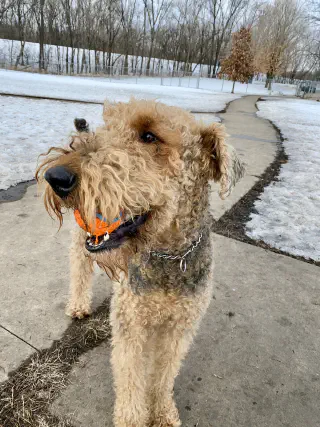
point(156, 309)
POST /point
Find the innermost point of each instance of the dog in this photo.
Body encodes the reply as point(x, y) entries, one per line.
point(152, 163)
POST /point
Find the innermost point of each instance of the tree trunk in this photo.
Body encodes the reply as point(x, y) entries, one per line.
point(109, 56)
point(96, 61)
point(67, 61)
point(267, 80)
point(213, 37)
point(215, 66)
point(78, 60)
point(126, 64)
point(144, 37)
point(83, 62)
point(234, 82)
point(72, 60)
point(150, 53)
point(104, 59)
point(41, 37)
point(58, 58)
point(21, 54)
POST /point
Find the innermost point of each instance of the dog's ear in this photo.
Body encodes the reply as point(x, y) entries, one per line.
point(81, 125)
point(221, 160)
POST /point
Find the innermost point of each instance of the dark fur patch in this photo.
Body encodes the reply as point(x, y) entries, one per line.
point(158, 273)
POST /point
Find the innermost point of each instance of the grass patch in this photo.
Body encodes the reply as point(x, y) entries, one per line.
point(26, 396)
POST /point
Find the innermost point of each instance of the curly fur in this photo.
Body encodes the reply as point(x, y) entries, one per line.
point(156, 309)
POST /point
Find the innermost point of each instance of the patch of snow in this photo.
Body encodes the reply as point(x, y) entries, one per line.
point(55, 58)
point(30, 127)
point(54, 55)
point(93, 89)
point(288, 212)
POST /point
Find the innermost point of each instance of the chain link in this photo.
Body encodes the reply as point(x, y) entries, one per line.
point(182, 258)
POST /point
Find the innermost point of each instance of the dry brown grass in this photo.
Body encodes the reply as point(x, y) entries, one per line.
point(26, 396)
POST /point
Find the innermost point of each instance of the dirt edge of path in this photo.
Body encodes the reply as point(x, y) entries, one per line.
point(26, 396)
point(233, 223)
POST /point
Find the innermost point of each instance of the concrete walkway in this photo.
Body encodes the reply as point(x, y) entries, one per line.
point(255, 361)
point(255, 140)
point(257, 365)
point(34, 279)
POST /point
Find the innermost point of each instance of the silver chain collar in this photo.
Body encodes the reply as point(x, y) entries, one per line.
point(182, 258)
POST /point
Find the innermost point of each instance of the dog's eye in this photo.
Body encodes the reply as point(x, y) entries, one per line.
point(148, 137)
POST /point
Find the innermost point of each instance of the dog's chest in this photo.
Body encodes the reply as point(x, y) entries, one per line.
point(150, 273)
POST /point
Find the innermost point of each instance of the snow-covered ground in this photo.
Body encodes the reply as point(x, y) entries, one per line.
point(55, 57)
point(9, 51)
point(29, 127)
point(288, 212)
point(217, 85)
point(99, 89)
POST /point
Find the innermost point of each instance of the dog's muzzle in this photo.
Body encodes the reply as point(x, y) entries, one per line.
point(120, 235)
point(61, 180)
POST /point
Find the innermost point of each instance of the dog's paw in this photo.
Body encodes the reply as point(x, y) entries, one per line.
point(165, 422)
point(78, 312)
point(167, 417)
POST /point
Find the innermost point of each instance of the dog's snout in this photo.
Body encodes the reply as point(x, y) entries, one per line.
point(61, 179)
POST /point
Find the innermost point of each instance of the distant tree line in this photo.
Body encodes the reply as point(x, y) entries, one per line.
point(189, 33)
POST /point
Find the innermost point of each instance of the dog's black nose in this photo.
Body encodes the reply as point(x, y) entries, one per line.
point(61, 179)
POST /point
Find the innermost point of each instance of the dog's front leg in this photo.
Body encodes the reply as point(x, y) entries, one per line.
point(81, 269)
point(171, 347)
point(129, 338)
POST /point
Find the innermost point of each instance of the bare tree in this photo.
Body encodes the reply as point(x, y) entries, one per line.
point(21, 13)
point(223, 18)
point(180, 33)
point(313, 48)
point(110, 25)
point(156, 12)
point(314, 14)
point(127, 10)
point(276, 34)
point(5, 5)
point(38, 12)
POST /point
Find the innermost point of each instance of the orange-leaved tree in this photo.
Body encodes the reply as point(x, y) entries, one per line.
point(239, 65)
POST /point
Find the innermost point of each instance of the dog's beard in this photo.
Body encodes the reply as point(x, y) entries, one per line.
point(116, 261)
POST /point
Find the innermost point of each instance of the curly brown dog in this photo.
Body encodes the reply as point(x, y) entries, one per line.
point(153, 163)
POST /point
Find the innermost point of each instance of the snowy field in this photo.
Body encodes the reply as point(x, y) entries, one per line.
point(99, 89)
point(218, 85)
point(10, 49)
point(29, 127)
point(54, 55)
point(288, 212)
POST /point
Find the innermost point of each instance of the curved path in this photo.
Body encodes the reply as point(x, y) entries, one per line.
point(255, 361)
point(255, 140)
